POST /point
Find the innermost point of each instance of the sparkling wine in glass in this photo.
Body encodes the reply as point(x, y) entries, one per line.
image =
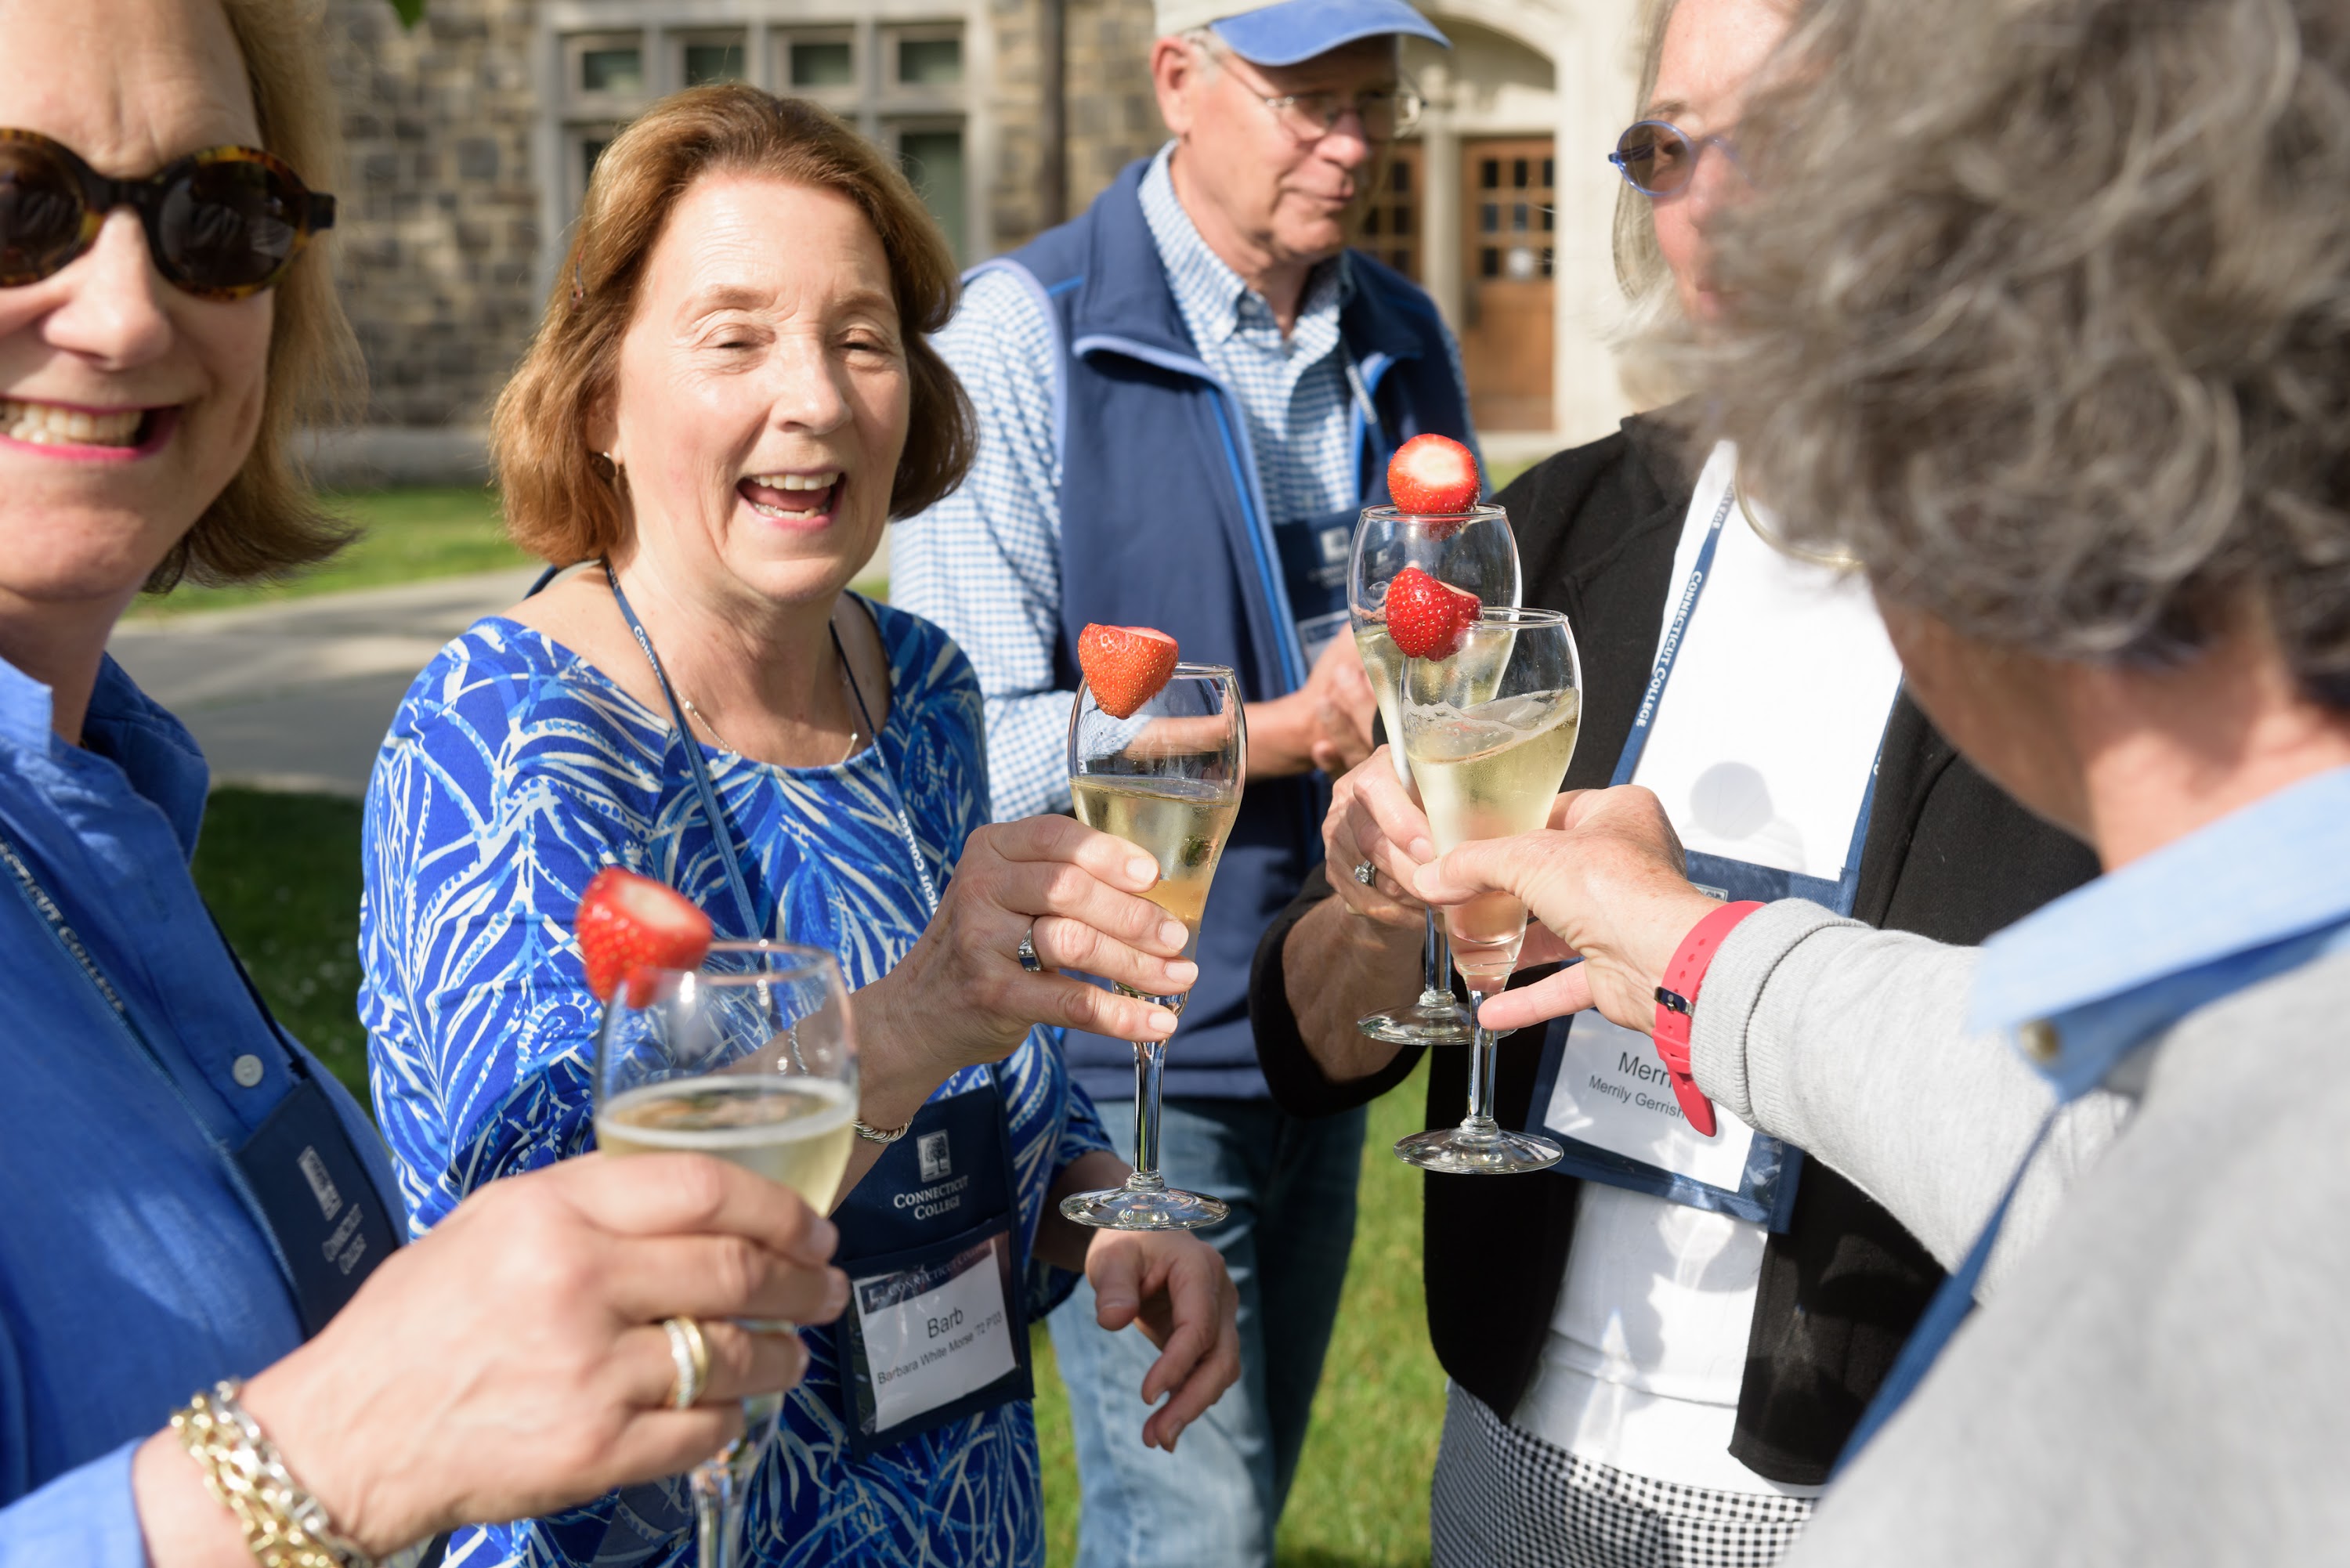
point(1474, 551)
point(1167, 779)
point(1488, 751)
point(749, 1058)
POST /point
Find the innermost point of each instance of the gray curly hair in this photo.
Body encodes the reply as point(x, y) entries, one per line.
point(2042, 309)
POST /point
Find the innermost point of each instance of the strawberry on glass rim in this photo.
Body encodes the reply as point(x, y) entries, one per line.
point(1433, 475)
point(1125, 666)
point(629, 926)
point(1427, 618)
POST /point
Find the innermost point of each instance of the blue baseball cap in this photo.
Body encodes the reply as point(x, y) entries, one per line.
point(1294, 30)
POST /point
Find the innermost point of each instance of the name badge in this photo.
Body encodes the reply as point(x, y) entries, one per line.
point(1315, 555)
point(330, 1223)
point(929, 1240)
point(935, 1334)
point(1613, 1093)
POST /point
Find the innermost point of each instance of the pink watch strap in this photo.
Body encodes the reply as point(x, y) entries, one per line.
point(1676, 1001)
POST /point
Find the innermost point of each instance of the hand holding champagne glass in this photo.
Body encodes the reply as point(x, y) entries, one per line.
point(1436, 529)
point(745, 1053)
point(1490, 729)
point(1157, 754)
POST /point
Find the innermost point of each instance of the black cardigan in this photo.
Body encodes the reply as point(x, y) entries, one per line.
point(1949, 856)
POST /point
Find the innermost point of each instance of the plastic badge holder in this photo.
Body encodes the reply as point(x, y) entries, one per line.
point(1763, 1190)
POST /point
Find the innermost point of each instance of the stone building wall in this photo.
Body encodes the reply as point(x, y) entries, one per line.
point(1112, 117)
point(437, 241)
point(436, 237)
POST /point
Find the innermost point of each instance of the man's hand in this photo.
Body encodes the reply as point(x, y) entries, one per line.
point(1607, 880)
point(1373, 818)
point(1326, 723)
point(1176, 1287)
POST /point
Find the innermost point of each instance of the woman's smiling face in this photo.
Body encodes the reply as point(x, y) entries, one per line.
point(761, 396)
point(126, 404)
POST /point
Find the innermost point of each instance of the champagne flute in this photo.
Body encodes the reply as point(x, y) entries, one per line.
point(1167, 779)
point(1474, 551)
point(751, 1058)
point(1489, 750)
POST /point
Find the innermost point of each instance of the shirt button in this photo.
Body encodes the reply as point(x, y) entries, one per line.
point(246, 1071)
point(2041, 1042)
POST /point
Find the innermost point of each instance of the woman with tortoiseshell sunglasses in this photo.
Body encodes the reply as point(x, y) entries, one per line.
point(190, 1199)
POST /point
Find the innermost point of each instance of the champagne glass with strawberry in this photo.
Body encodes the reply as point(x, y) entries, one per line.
point(1490, 720)
point(1421, 568)
point(743, 1051)
point(1157, 755)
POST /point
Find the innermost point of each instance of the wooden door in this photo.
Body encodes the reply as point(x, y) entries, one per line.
point(1505, 281)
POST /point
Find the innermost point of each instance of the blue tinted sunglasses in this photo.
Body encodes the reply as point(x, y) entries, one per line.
point(1657, 158)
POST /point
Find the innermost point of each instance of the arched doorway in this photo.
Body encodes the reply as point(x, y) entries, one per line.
point(1513, 205)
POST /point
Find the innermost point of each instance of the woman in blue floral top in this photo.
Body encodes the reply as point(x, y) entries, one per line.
point(728, 401)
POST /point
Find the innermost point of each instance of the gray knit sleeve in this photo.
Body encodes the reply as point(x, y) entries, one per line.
point(1851, 1044)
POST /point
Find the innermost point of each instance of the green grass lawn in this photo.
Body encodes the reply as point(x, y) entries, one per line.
point(1499, 474)
point(409, 535)
point(1360, 1499)
point(282, 872)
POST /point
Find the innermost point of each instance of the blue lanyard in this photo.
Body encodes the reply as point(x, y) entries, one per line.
point(707, 792)
point(52, 916)
point(1847, 886)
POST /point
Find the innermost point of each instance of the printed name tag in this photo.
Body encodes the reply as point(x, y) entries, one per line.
point(935, 1334)
point(1613, 1093)
point(1317, 632)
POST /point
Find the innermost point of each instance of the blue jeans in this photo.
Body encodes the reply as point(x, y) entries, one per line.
point(1217, 1498)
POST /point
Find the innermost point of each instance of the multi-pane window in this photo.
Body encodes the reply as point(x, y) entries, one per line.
point(714, 59)
point(1514, 217)
point(903, 84)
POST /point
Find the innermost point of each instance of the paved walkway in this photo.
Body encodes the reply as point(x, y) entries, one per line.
point(297, 695)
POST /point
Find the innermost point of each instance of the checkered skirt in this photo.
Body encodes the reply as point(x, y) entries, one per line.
point(1503, 1498)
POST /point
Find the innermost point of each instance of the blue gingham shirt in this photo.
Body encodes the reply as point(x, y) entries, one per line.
point(985, 562)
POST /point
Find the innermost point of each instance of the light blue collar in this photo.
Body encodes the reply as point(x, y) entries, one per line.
point(128, 738)
point(2113, 963)
point(24, 708)
point(1208, 291)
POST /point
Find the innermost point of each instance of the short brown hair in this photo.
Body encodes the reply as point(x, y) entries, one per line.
point(561, 501)
point(266, 521)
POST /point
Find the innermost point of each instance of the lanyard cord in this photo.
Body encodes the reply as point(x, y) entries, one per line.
point(702, 787)
point(1644, 720)
point(54, 917)
point(707, 792)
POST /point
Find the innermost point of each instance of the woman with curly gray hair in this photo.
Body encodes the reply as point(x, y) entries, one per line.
point(1657, 1352)
point(2042, 312)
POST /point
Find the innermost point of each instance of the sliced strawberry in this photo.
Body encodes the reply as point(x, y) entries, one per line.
point(629, 926)
point(1126, 666)
point(1432, 474)
point(1427, 618)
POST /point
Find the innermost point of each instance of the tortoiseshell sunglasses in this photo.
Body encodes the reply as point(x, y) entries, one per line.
point(222, 224)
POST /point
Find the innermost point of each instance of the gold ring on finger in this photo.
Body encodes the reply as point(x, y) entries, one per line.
point(689, 1352)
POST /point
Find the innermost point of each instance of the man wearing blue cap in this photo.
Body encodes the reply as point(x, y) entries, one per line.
point(1185, 395)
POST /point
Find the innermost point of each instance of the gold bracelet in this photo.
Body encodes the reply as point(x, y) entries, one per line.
point(285, 1526)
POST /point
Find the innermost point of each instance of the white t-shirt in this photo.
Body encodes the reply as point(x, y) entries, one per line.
point(1760, 750)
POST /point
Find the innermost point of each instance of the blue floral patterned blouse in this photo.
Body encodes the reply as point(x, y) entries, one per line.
point(512, 772)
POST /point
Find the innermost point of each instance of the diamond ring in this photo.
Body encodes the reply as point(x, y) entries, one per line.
point(1028, 959)
point(1366, 873)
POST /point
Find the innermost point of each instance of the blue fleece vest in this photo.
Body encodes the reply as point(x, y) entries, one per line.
point(1163, 523)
